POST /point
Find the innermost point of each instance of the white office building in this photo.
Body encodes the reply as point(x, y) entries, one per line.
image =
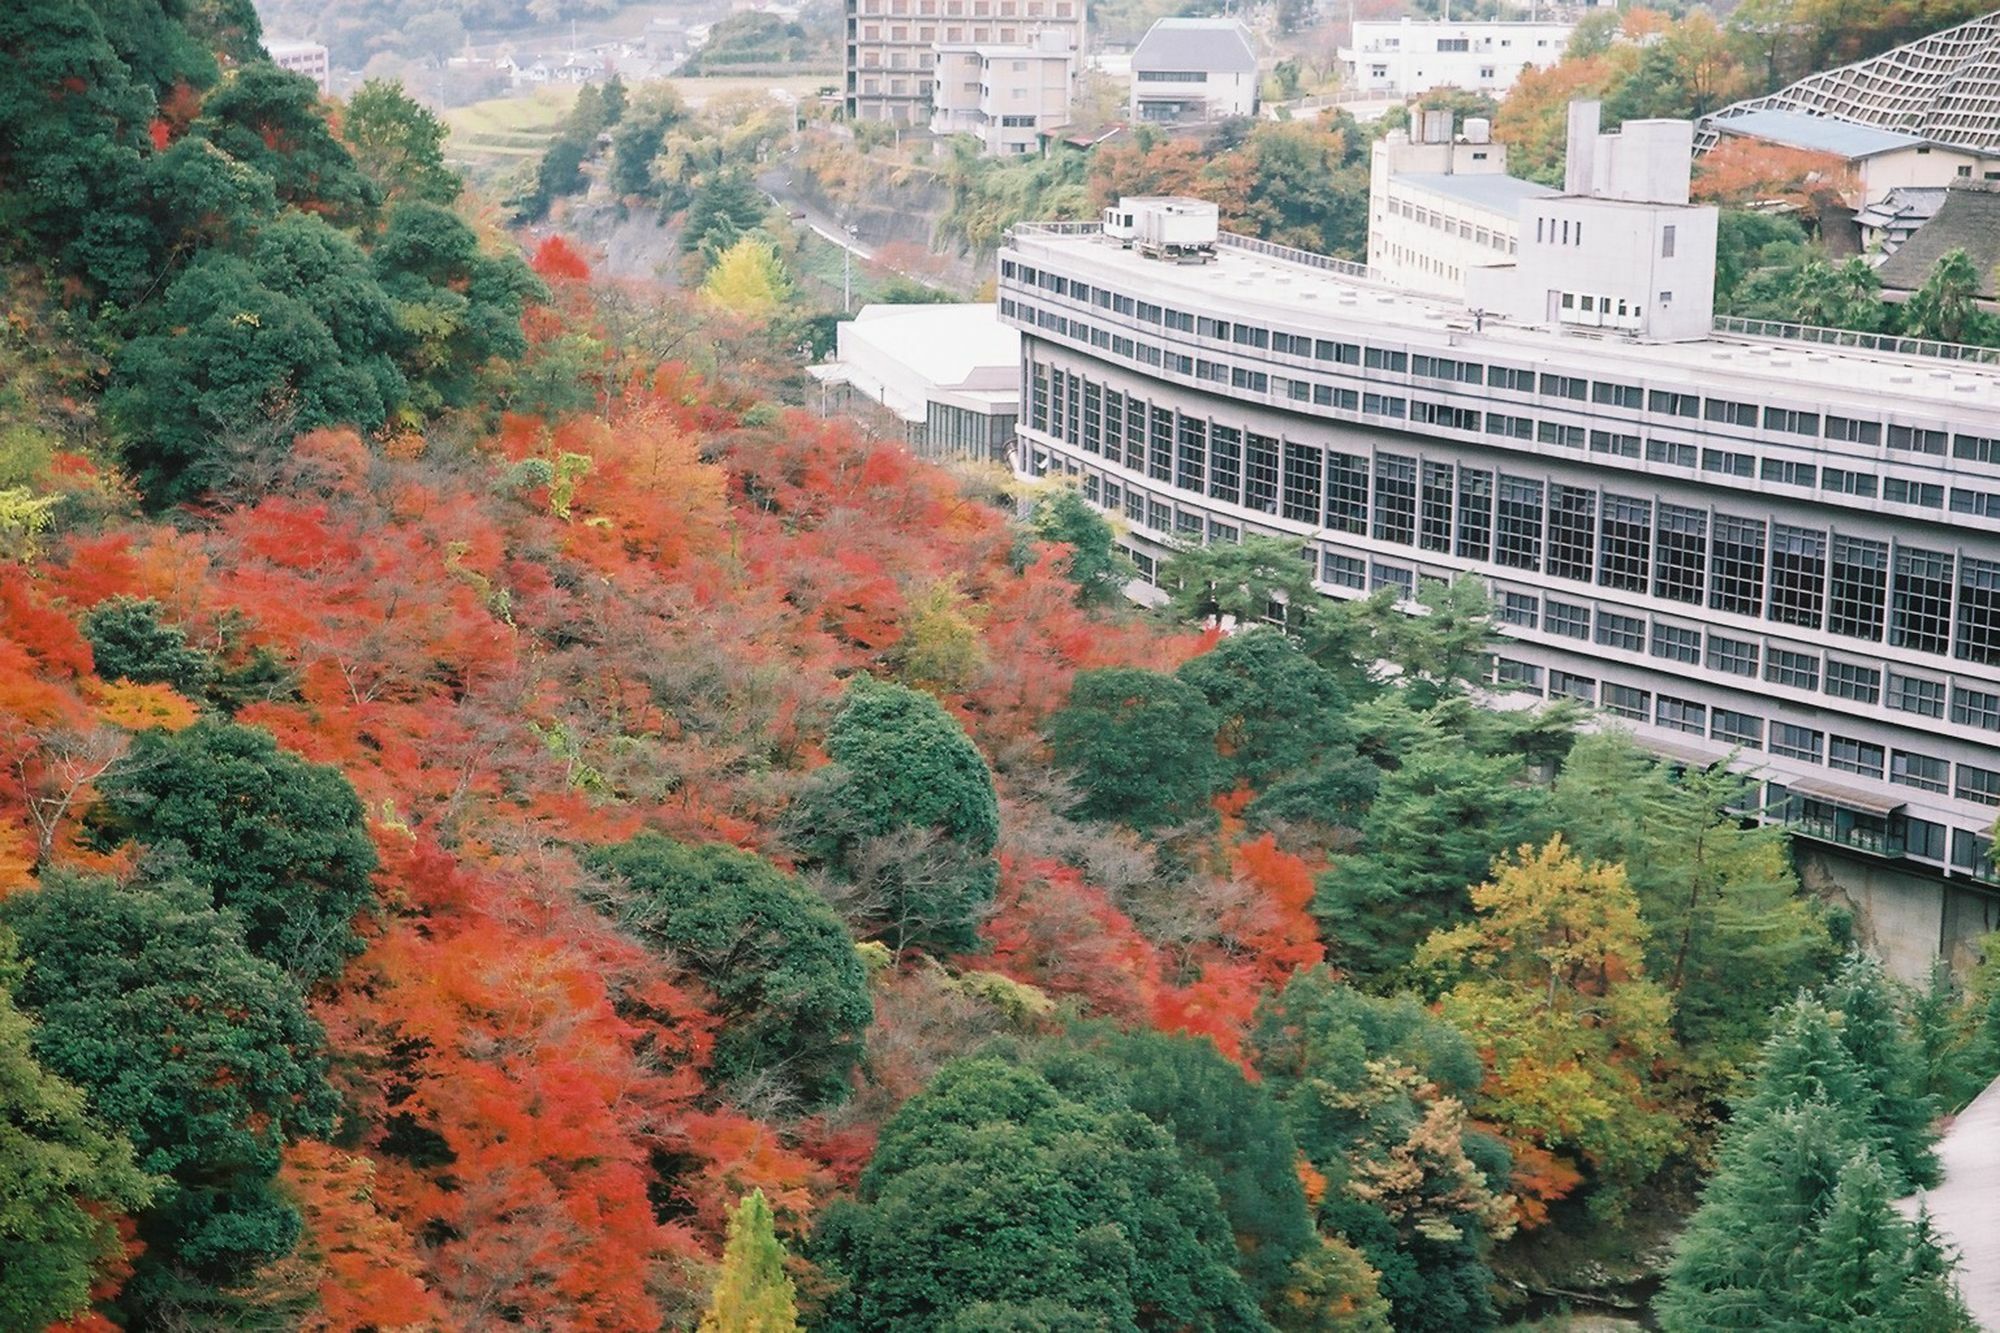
point(307, 58)
point(1194, 69)
point(1441, 204)
point(1780, 551)
point(1007, 97)
point(949, 373)
point(1409, 56)
point(892, 46)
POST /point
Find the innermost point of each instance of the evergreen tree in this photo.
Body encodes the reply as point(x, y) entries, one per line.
point(1279, 712)
point(726, 206)
point(398, 143)
point(129, 641)
point(60, 1173)
point(753, 1293)
point(1141, 744)
point(1871, 1029)
point(1258, 579)
point(1097, 567)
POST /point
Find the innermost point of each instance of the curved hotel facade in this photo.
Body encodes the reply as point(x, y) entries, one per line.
point(1765, 546)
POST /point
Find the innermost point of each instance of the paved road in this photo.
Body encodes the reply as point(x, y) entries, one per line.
point(1966, 1207)
point(776, 183)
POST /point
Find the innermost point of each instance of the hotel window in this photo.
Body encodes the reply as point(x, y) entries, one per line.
point(1799, 670)
point(1569, 685)
point(1676, 643)
point(1728, 413)
point(1395, 498)
point(1625, 543)
point(1159, 517)
point(1921, 837)
point(1572, 531)
point(1260, 473)
point(1859, 587)
point(1680, 554)
point(1393, 576)
point(1744, 729)
point(1093, 417)
point(1856, 431)
point(1978, 448)
point(1346, 354)
point(1517, 538)
point(1921, 771)
point(1791, 422)
point(1303, 482)
point(1728, 461)
point(1668, 451)
point(1921, 493)
point(1914, 694)
point(1917, 441)
point(1565, 386)
point(1625, 701)
point(1852, 756)
point(1188, 524)
point(1381, 358)
point(1347, 492)
point(1135, 433)
point(1380, 405)
point(1617, 395)
point(1920, 607)
point(1794, 742)
point(1568, 436)
point(1343, 571)
point(1568, 619)
point(1160, 458)
point(1975, 708)
point(1225, 463)
point(1978, 611)
point(1851, 680)
point(1789, 473)
point(1844, 481)
point(1611, 442)
point(1682, 715)
point(1737, 573)
point(1193, 459)
point(1038, 397)
point(1434, 518)
point(1475, 514)
point(1798, 575)
point(1507, 377)
point(1667, 241)
point(1507, 671)
point(1674, 404)
point(1114, 424)
point(1519, 608)
point(1620, 631)
point(1512, 427)
point(1135, 506)
point(1737, 657)
point(1978, 784)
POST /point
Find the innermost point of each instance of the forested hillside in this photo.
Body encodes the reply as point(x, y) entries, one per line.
point(505, 823)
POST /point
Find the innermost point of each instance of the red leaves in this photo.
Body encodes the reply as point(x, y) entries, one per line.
point(556, 260)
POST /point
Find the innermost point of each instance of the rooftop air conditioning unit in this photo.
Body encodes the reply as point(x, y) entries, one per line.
point(1182, 231)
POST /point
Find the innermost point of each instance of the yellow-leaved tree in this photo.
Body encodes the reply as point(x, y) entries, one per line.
point(753, 1294)
point(748, 279)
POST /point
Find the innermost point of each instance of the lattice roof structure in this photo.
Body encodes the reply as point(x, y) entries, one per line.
point(1944, 88)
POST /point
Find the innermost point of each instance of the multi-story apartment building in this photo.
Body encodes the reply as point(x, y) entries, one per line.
point(1442, 204)
point(892, 46)
point(1774, 548)
point(1007, 97)
point(1405, 57)
point(307, 58)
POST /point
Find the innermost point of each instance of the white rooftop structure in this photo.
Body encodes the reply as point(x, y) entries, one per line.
point(1407, 56)
point(950, 372)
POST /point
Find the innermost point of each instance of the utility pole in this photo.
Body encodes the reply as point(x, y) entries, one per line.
point(847, 272)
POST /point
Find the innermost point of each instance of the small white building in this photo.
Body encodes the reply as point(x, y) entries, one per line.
point(1405, 57)
point(1194, 69)
point(950, 373)
point(1006, 96)
point(1442, 204)
point(307, 58)
point(1620, 248)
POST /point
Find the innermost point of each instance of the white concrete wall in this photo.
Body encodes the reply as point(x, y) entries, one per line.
point(1405, 52)
point(1611, 250)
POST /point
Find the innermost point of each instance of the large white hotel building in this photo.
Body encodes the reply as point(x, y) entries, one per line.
point(1734, 541)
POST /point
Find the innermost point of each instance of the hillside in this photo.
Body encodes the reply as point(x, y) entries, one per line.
point(508, 822)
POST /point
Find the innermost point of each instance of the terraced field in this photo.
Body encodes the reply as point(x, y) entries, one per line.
point(491, 138)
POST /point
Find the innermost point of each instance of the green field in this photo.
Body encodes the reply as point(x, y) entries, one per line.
point(492, 136)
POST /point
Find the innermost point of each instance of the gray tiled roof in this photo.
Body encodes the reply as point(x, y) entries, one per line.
point(1821, 134)
point(1218, 46)
point(1968, 220)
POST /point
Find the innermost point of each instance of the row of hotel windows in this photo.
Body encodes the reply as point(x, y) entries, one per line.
point(1804, 576)
point(1061, 9)
point(1688, 645)
point(1509, 379)
point(1749, 731)
point(1439, 220)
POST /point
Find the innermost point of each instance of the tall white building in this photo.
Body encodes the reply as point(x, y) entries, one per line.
point(1778, 552)
point(892, 46)
point(1005, 96)
point(1405, 57)
point(307, 58)
point(1442, 204)
point(1194, 69)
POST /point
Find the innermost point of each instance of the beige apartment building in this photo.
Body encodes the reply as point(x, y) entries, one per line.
point(892, 46)
point(1007, 97)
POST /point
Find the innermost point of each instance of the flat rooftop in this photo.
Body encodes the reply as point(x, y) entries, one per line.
point(1820, 134)
point(1298, 294)
point(1492, 190)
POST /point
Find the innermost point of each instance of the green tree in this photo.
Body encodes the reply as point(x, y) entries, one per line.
point(302, 256)
point(1278, 711)
point(398, 144)
point(1257, 579)
point(558, 173)
point(753, 1294)
point(991, 1185)
point(725, 206)
point(60, 1173)
point(277, 842)
point(1443, 651)
point(637, 141)
point(1141, 745)
point(1891, 1065)
point(1099, 569)
point(788, 986)
point(1945, 307)
point(201, 1054)
point(270, 119)
point(129, 641)
point(1436, 824)
point(905, 774)
point(457, 309)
